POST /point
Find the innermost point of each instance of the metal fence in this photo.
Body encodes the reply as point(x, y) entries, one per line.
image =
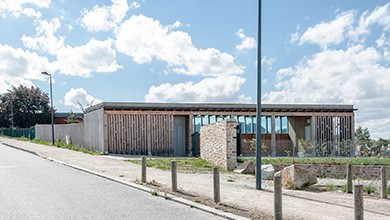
point(19, 132)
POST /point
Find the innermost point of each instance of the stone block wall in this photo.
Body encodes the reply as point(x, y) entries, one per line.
point(366, 172)
point(218, 144)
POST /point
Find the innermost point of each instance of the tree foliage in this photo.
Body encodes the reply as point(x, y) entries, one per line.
point(363, 136)
point(30, 106)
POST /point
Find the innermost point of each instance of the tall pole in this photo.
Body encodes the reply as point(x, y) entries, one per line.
point(258, 106)
point(52, 108)
point(52, 112)
point(12, 118)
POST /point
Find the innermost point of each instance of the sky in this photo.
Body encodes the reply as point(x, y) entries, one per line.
point(312, 52)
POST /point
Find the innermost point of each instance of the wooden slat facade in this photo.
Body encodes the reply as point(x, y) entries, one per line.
point(335, 133)
point(139, 134)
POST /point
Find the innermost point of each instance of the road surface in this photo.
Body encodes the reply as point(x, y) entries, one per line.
point(35, 188)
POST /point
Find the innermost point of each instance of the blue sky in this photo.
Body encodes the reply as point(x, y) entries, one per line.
point(321, 52)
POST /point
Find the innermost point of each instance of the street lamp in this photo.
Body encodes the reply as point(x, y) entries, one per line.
point(12, 118)
point(258, 106)
point(52, 109)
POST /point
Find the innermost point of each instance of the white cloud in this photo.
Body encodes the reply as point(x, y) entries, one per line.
point(380, 16)
point(145, 39)
point(95, 56)
point(83, 60)
point(17, 8)
point(134, 5)
point(45, 40)
point(78, 95)
point(18, 66)
point(352, 76)
point(219, 89)
point(331, 33)
point(294, 37)
point(246, 43)
point(268, 62)
point(105, 18)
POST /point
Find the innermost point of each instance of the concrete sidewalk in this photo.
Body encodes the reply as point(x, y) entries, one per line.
point(238, 191)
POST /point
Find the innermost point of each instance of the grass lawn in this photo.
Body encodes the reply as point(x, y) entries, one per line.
point(60, 145)
point(198, 165)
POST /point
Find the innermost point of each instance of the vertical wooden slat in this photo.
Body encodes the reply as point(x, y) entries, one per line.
point(149, 134)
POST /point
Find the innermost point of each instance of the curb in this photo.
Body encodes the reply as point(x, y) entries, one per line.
point(167, 196)
point(22, 149)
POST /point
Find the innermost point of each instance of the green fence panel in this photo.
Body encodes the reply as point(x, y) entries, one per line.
point(25, 132)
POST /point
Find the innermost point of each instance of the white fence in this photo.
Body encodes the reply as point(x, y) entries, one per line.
point(74, 131)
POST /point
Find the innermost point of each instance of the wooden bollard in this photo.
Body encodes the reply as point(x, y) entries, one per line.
point(384, 183)
point(217, 192)
point(174, 175)
point(358, 204)
point(143, 172)
point(349, 178)
point(278, 197)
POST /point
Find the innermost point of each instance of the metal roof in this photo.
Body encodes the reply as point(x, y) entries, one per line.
point(220, 107)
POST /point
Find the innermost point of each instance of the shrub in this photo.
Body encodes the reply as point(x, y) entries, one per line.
point(369, 189)
point(330, 187)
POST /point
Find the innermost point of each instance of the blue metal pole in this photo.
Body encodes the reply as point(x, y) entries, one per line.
point(258, 106)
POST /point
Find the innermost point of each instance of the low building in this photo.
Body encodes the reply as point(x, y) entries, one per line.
point(172, 129)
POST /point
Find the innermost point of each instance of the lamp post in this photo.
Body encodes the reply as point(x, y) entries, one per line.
point(258, 106)
point(52, 109)
point(12, 118)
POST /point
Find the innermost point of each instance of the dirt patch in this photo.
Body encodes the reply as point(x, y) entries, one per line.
point(252, 214)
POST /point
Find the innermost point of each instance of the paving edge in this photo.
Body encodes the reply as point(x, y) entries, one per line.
point(167, 196)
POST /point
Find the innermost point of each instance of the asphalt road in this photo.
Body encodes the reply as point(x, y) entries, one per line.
point(34, 188)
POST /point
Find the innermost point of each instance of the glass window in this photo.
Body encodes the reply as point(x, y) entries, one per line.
point(263, 125)
point(205, 119)
point(197, 123)
point(278, 128)
point(268, 124)
point(241, 122)
point(284, 125)
point(248, 126)
point(213, 119)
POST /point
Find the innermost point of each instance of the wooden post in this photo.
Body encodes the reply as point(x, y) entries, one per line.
point(143, 172)
point(384, 183)
point(217, 192)
point(278, 197)
point(273, 136)
point(174, 175)
point(349, 178)
point(358, 204)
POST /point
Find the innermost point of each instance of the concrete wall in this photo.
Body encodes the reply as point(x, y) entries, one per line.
point(218, 144)
point(75, 131)
point(94, 131)
point(89, 134)
point(296, 128)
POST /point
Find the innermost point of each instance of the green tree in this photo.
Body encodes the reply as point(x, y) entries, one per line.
point(30, 107)
point(362, 136)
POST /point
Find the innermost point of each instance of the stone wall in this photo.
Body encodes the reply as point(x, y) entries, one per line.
point(366, 172)
point(218, 144)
